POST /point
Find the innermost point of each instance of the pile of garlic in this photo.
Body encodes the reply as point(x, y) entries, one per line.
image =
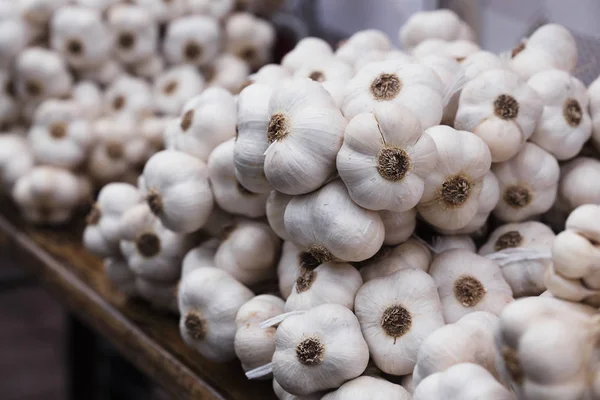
point(87, 87)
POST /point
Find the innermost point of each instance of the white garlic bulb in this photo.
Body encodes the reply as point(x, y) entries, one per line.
point(368, 387)
point(15, 34)
point(578, 185)
point(16, 160)
point(118, 272)
point(451, 74)
point(319, 350)
point(228, 71)
point(209, 299)
point(104, 73)
point(192, 40)
point(371, 55)
point(283, 395)
point(326, 69)
point(328, 225)
point(150, 68)
point(413, 86)
point(528, 184)
point(574, 290)
point(305, 132)
point(411, 254)
point(385, 158)
point(136, 33)
point(38, 12)
point(218, 9)
point(174, 87)
point(306, 48)
point(467, 283)
point(479, 62)
point(40, 74)
point(354, 48)
point(452, 242)
point(272, 74)
point(502, 109)
point(594, 97)
point(200, 256)
point(439, 24)
point(396, 313)
point(275, 209)
point(88, 97)
point(453, 189)
point(177, 189)
point(129, 96)
point(250, 38)
point(289, 267)
point(399, 226)
point(456, 49)
point(152, 130)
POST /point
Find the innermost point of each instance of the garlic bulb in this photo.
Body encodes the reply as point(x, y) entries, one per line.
point(329, 226)
point(228, 71)
point(306, 48)
point(578, 185)
point(408, 383)
point(319, 350)
point(251, 141)
point(192, 40)
point(249, 38)
point(479, 62)
point(16, 160)
point(209, 299)
point(102, 233)
point(371, 55)
point(502, 109)
point(413, 86)
point(80, 35)
point(326, 69)
point(200, 256)
point(456, 49)
point(528, 184)
point(396, 313)
point(104, 73)
point(283, 395)
point(467, 283)
point(15, 35)
point(218, 9)
point(9, 111)
point(38, 12)
point(594, 97)
point(150, 68)
point(152, 130)
point(565, 124)
point(218, 222)
point(206, 121)
point(40, 74)
point(254, 346)
point(49, 195)
point(272, 74)
point(161, 296)
point(229, 193)
point(524, 276)
point(329, 283)
point(468, 340)
point(88, 97)
point(354, 48)
point(465, 381)
point(163, 11)
point(451, 74)
point(289, 268)
point(453, 189)
point(249, 252)
point(129, 96)
point(275, 208)
point(305, 132)
point(385, 158)
point(452, 242)
point(550, 46)
point(118, 272)
point(411, 254)
point(136, 33)
point(438, 24)
point(368, 387)
point(574, 290)
point(152, 251)
point(399, 226)
point(174, 87)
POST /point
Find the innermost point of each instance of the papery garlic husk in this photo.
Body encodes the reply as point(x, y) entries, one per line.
point(354, 48)
point(254, 346)
point(470, 339)
point(218, 221)
point(248, 251)
point(451, 74)
point(174, 87)
point(368, 387)
point(578, 184)
point(228, 71)
point(479, 62)
point(209, 299)
point(149, 68)
point(388, 260)
point(451, 197)
point(16, 160)
point(467, 283)
point(177, 190)
point(452, 242)
point(308, 47)
point(129, 96)
point(289, 267)
point(528, 184)
point(573, 290)
point(164, 12)
point(252, 141)
point(135, 33)
point(118, 272)
point(502, 109)
point(228, 192)
point(102, 233)
point(250, 38)
point(382, 55)
point(329, 283)
point(594, 96)
point(271, 74)
point(200, 256)
point(88, 97)
point(218, 9)
point(396, 313)
point(305, 132)
point(319, 350)
point(325, 69)
point(399, 226)
point(413, 86)
point(193, 39)
point(104, 73)
point(329, 226)
point(385, 158)
point(161, 295)
point(465, 381)
point(456, 49)
point(40, 74)
point(408, 383)
point(152, 130)
point(275, 209)
point(283, 395)
point(440, 24)
point(526, 276)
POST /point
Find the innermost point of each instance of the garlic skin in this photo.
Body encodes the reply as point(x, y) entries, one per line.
point(217, 9)
point(177, 190)
point(209, 299)
point(396, 313)
point(594, 98)
point(80, 35)
point(162, 296)
point(502, 109)
point(326, 69)
point(228, 192)
point(413, 86)
point(371, 55)
point(100, 5)
point(565, 124)
point(452, 242)
point(192, 40)
point(577, 185)
point(408, 383)
point(174, 87)
point(250, 38)
point(388, 260)
point(305, 132)
point(456, 49)
point(438, 24)
point(129, 96)
point(102, 232)
point(283, 395)
point(254, 346)
point(550, 46)
point(206, 121)
point(399, 226)
point(452, 190)
point(329, 283)
point(248, 252)
point(218, 222)
point(118, 272)
point(289, 268)
point(40, 74)
point(385, 158)
point(149, 68)
point(573, 290)
point(88, 97)
point(152, 130)
point(228, 71)
point(528, 184)
point(306, 48)
point(479, 62)
point(468, 283)
point(352, 50)
point(9, 105)
point(451, 74)
point(152, 251)
point(16, 160)
point(200, 256)
point(469, 340)
point(368, 387)
point(104, 73)
point(319, 350)
point(163, 11)
point(272, 74)
point(275, 208)
point(15, 35)
point(465, 381)
point(251, 142)
point(38, 12)
point(328, 225)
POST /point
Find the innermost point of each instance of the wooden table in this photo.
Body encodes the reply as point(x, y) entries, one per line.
point(148, 339)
